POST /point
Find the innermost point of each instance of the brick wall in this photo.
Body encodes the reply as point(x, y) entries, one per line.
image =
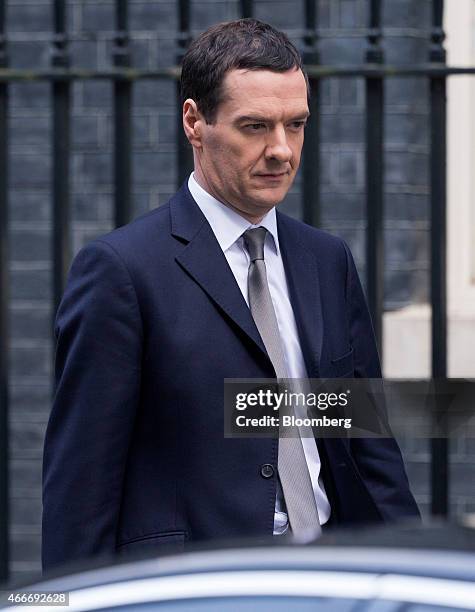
point(153, 24)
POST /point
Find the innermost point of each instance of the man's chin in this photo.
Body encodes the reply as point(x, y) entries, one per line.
point(270, 197)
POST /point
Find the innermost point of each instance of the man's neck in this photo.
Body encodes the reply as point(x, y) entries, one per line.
point(203, 183)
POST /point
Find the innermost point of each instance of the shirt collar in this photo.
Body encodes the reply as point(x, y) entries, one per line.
point(228, 225)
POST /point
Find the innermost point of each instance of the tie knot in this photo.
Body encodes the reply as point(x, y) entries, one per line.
point(254, 240)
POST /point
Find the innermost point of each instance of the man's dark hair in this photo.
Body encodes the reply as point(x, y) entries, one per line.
point(241, 44)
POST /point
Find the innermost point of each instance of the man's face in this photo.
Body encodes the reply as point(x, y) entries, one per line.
point(249, 157)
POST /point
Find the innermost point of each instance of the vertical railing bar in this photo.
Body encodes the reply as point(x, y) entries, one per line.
point(375, 15)
point(375, 176)
point(61, 91)
point(247, 8)
point(438, 167)
point(184, 149)
point(311, 153)
point(4, 303)
point(122, 16)
point(59, 17)
point(184, 18)
point(122, 120)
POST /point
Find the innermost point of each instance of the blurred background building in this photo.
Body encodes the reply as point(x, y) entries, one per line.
point(342, 41)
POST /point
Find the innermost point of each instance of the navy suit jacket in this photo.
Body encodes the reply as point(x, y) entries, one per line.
point(151, 322)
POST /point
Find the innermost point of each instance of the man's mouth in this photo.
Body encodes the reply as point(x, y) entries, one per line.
point(272, 174)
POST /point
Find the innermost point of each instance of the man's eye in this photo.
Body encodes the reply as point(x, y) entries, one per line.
point(255, 127)
point(298, 125)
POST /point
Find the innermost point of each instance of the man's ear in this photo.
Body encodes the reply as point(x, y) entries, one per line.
point(192, 122)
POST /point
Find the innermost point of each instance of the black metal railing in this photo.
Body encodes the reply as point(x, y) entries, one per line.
point(61, 76)
point(311, 154)
point(374, 173)
point(438, 251)
point(4, 300)
point(122, 120)
point(61, 96)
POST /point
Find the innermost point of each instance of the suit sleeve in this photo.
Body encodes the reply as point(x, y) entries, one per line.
point(97, 374)
point(379, 461)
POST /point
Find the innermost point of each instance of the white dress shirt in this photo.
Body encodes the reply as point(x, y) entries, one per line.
point(228, 227)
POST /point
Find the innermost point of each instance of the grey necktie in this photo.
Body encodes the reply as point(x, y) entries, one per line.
point(292, 466)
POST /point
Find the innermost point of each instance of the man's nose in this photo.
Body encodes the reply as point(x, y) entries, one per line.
point(277, 147)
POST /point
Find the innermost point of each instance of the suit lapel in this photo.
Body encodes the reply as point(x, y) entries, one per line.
point(302, 279)
point(204, 261)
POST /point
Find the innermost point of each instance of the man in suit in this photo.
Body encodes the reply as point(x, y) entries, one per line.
point(214, 284)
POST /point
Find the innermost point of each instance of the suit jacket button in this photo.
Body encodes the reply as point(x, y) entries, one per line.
point(267, 470)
